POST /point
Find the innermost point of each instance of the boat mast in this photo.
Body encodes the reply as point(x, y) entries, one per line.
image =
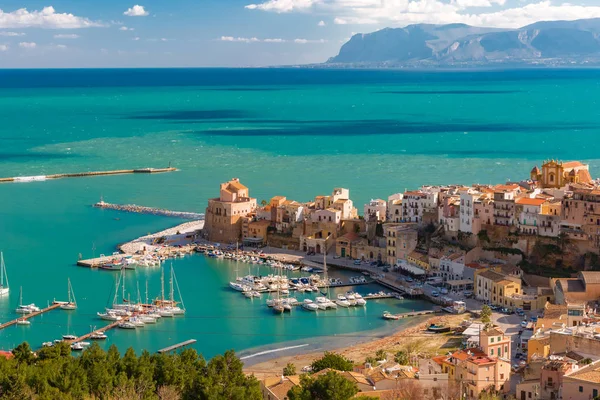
point(123, 273)
point(3, 269)
point(117, 283)
point(21, 295)
point(162, 285)
point(178, 291)
point(171, 291)
point(146, 290)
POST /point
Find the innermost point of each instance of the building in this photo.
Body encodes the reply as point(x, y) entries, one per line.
point(277, 388)
point(452, 266)
point(584, 288)
point(412, 206)
point(348, 245)
point(418, 259)
point(558, 174)
point(223, 218)
point(254, 232)
point(504, 204)
point(527, 214)
point(582, 383)
point(580, 215)
point(376, 209)
point(394, 207)
point(468, 198)
point(401, 240)
point(448, 213)
point(549, 219)
point(497, 288)
point(327, 215)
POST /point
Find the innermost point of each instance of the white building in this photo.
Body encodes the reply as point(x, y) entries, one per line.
point(452, 266)
point(527, 215)
point(376, 208)
point(467, 209)
point(327, 215)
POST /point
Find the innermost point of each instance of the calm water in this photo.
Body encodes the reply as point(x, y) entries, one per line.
point(283, 132)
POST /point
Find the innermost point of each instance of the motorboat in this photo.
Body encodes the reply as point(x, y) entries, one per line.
point(309, 305)
point(438, 328)
point(98, 336)
point(127, 325)
point(342, 301)
point(23, 321)
point(239, 287)
point(165, 313)
point(147, 319)
point(69, 337)
point(109, 316)
point(137, 322)
point(359, 300)
point(47, 344)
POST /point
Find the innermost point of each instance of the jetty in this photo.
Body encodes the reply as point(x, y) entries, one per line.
point(101, 330)
point(134, 208)
point(54, 306)
point(177, 346)
point(409, 314)
point(41, 178)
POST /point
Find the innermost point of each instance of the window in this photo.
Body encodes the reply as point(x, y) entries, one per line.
point(505, 349)
point(595, 393)
point(501, 376)
point(499, 338)
point(580, 389)
point(491, 352)
point(529, 395)
point(491, 340)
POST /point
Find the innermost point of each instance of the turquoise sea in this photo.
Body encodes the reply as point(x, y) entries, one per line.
point(289, 132)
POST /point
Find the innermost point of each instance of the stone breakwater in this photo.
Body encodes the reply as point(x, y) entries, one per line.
point(175, 236)
point(149, 210)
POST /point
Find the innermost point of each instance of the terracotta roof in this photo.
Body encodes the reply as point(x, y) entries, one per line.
point(350, 236)
point(590, 373)
point(281, 389)
point(554, 311)
point(493, 275)
point(236, 185)
point(492, 332)
point(6, 354)
point(572, 164)
point(506, 188)
point(526, 201)
point(278, 198)
point(584, 176)
point(535, 170)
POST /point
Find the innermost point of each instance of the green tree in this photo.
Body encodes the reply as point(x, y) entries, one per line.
point(486, 315)
point(402, 358)
point(289, 370)
point(263, 202)
point(381, 355)
point(23, 354)
point(333, 361)
point(330, 386)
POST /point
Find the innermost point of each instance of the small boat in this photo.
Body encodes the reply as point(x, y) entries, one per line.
point(25, 309)
point(389, 315)
point(69, 337)
point(342, 301)
point(47, 344)
point(147, 319)
point(77, 347)
point(309, 305)
point(98, 336)
point(137, 322)
point(165, 313)
point(23, 321)
point(4, 289)
point(278, 308)
point(438, 328)
point(127, 325)
point(359, 300)
point(71, 304)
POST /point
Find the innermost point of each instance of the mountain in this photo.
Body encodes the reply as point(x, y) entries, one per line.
point(549, 42)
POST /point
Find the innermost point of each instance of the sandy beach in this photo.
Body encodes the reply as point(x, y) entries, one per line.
point(416, 336)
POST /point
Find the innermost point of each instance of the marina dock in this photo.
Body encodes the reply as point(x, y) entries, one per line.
point(31, 315)
point(177, 346)
point(413, 314)
point(101, 330)
point(41, 178)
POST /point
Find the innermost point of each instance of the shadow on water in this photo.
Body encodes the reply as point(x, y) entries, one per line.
point(449, 91)
point(184, 115)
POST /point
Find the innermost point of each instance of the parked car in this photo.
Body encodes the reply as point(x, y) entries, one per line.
point(524, 324)
point(336, 257)
point(435, 293)
point(468, 293)
point(444, 291)
point(408, 279)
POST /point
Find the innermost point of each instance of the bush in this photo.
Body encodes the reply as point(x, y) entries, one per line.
point(333, 361)
point(330, 386)
point(289, 370)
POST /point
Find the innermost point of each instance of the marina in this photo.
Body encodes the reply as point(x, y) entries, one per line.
point(41, 178)
point(388, 315)
point(24, 317)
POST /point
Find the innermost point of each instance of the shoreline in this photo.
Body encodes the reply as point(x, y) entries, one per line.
point(357, 351)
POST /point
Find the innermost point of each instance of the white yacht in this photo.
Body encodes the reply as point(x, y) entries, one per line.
point(69, 337)
point(77, 346)
point(137, 322)
point(342, 301)
point(127, 325)
point(4, 289)
point(23, 321)
point(110, 316)
point(25, 309)
point(98, 336)
point(309, 305)
point(147, 319)
point(359, 300)
point(165, 313)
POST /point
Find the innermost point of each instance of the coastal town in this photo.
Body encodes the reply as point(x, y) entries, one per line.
point(527, 251)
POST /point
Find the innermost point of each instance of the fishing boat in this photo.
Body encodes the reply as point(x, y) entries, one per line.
point(23, 321)
point(438, 328)
point(389, 315)
point(47, 344)
point(4, 289)
point(71, 304)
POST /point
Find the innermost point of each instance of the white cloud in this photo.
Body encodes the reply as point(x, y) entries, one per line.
point(61, 47)
point(124, 28)
point(4, 47)
point(282, 6)
point(238, 39)
point(321, 23)
point(46, 18)
point(27, 45)
point(4, 33)
point(404, 12)
point(276, 40)
point(136, 38)
point(164, 39)
point(66, 36)
point(305, 41)
point(136, 11)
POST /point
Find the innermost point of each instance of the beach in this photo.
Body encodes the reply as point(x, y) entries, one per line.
point(405, 335)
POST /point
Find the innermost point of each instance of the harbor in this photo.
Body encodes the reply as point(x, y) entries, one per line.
point(33, 314)
point(41, 178)
point(133, 208)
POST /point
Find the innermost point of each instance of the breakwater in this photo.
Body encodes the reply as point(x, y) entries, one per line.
point(40, 178)
point(149, 210)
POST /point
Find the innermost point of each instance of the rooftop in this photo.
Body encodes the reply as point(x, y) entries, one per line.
point(590, 277)
point(526, 201)
point(591, 373)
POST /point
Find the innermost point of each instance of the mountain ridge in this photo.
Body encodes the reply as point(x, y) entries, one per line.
point(544, 42)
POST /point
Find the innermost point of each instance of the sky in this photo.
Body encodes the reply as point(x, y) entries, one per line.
point(232, 33)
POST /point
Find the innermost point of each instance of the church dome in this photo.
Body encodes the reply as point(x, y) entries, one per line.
point(535, 170)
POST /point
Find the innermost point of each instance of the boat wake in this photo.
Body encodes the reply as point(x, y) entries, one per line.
point(273, 351)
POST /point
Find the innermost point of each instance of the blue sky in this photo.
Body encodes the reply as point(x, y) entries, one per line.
point(160, 33)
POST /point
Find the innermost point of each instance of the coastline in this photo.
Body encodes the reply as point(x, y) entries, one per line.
point(272, 362)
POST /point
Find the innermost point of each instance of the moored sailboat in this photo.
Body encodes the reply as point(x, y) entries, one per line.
point(72, 303)
point(4, 289)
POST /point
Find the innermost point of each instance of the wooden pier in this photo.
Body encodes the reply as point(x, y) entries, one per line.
point(85, 174)
point(101, 330)
point(412, 314)
point(177, 346)
point(31, 315)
